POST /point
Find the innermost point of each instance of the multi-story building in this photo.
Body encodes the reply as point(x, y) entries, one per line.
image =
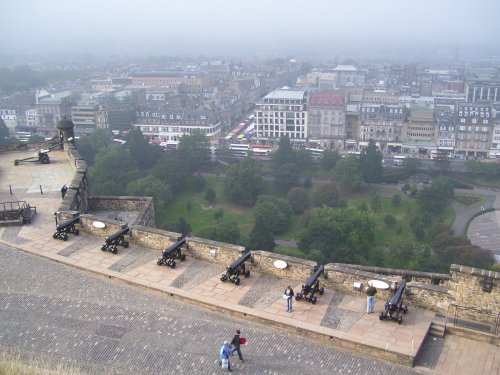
point(383, 124)
point(192, 82)
point(444, 115)
point(171, 125)
point(326, 119)
point(282, 112)
point(349, 76)
point(31, 118)
point(420, 131)
point(473, 128)
point(483, 85)
point(10, 118)
point(84, 118)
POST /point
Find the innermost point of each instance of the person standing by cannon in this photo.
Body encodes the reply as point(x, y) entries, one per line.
point(288, 296)
point(370, 298)
point(236, 343)
point(64, 190)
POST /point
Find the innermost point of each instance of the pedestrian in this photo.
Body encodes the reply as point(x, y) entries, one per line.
point(370, 298)
point(225, 353)
point(236, 345)
point(288, 296)
point(64, 189)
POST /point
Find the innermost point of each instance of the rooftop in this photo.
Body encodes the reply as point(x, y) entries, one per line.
point(286, 94)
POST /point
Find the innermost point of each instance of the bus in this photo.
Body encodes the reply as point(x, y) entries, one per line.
point(239, 149)
point(316, 153)
point(399, 159)
point(261, 150)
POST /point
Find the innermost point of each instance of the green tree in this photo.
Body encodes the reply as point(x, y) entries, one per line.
point(172, 170)
point(326, 195)
point(35, 138)
point(112, 164)
point(210, 196)
point(298, 199)
point(261, 238)
point(284, 154)
point(396, 200)
point(371, 163)
point(376, 202)
point(90, 146)
point(389, 220)
point(330, 159)
point(274, 213)
point(183, 226)
point(243, 183)
point(194, 149)
point(342, 235)
point(411, 165)
point(436, 197)
point(286, 176)
point(144, 154)
point(151, 186)
point(227, 232)
point(303, 158)
point(4, 130)
point(348, 173)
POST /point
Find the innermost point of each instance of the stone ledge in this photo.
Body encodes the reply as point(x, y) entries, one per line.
point(475, 271)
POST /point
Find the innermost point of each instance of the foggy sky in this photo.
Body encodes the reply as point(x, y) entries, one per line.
point(232, 27)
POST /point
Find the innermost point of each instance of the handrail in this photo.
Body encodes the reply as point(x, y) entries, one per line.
point(496, 323)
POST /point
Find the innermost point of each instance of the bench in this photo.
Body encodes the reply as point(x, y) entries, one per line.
point(27, 213)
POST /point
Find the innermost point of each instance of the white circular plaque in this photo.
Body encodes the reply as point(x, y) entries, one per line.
point(280, 264)
point(378, 284)
point(98, 224)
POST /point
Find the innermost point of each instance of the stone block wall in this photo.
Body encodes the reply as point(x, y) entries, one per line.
point(214, 251)
point(153, 238)
point(111, 226)
point(297, 269)
point(430, 297)
point(146, 216)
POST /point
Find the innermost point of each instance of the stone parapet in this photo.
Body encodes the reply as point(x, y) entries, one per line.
point(153, 238)
point(111, 226)
point(296, 269)
point(430, 297)
point(214, 251)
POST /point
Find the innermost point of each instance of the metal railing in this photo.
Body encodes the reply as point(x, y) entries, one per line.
point(11, 210)
point(457, 321)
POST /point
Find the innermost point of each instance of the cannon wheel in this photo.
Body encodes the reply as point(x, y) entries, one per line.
point(313, 300)
point(223, 278)
point(247, 273)
point(54, 235)
point(77, 232)
point(237, 281)
point(381, 316)
point(172, 265)
point(298, 296)
point(125, 244)
point(400, 320)
point(114, 250)
point(183, 257)
point(103, 247)
point(159, 262)
point(321, 291)
point(45, 159)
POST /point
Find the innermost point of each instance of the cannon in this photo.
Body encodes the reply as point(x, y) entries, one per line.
point(116, 239)
point(173, 252)
point(395, 306)
point(42, 155)
point(236, 269)
point(311, 287)
point(67, 226)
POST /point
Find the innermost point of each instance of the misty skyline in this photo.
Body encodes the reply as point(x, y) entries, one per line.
point(232, 28)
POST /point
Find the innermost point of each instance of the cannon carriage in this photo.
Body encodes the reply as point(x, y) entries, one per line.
point(236, 269)
point(394, 307)
point(116, 239)
point(311, 287)
point(66, 227)
point(173, 252)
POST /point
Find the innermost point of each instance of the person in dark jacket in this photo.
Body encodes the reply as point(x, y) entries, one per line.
point(236, 345)
point(289, 296)
point(370, 299)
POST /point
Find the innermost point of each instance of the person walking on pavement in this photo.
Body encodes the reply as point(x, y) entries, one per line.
point(236, 345)
point(64, 190)
point(225, 353)
point(370, 298)
point(288, 296)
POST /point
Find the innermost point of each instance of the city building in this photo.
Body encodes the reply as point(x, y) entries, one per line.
point(326, 119)
point(483, 85)
point(282, 112)
point(84, 118)
point(382, 123)
point(420, 130)
point(10, 119)
point(473, 128)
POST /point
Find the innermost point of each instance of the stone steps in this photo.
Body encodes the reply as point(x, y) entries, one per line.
point(437, 329)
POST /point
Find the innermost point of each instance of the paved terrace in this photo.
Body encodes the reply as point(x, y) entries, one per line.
point(258, 298)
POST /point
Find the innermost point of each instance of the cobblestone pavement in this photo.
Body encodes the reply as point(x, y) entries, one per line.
point(55, 312)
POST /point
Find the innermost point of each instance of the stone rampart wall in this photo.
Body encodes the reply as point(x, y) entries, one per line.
point(296, 269)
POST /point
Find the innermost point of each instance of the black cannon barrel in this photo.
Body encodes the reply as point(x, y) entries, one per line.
point(312, 279)
point(238, 262)
point(175, 246)
point(68, 222)
point(117, 234)
point(396, 298)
